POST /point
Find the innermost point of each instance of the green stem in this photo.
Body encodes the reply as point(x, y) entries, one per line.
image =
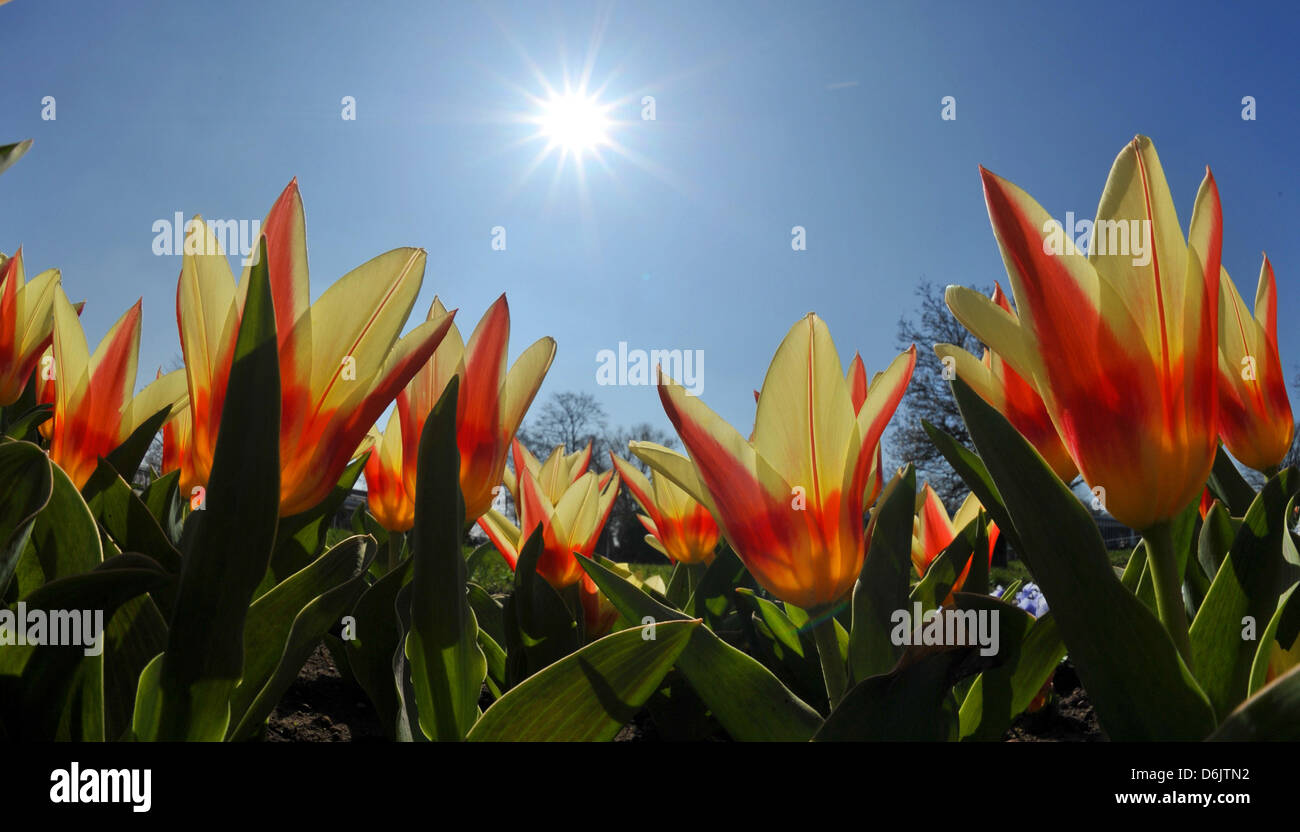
point(395, 543)
point(828, 648)
point(694, 576)
point(1168, 584)
point(1271, 471)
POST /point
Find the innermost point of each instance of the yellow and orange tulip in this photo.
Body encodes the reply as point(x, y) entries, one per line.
point(557, 473)
point(489, 407)
point(26, 323)
point(933, 530)
point(1124, 353)
point(341, 360)
point(176, 441)
point(679, 526)
point(94, 409)
point(392, 507)
point(791, 501)
point(1254, 410)
point(571, 515)
point(1014, 397)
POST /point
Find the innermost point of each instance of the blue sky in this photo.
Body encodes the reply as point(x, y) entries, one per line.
point(768, 115)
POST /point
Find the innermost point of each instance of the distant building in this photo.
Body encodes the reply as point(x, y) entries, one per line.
point(1115, 533)
point(343, 517)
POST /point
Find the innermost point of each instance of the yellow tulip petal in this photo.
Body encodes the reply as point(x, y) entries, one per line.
point(34, 303)
point(974, 372)
point(996, 327)
point(71, 357)
point(357, 320)
point(169, 390)
point(523, 381)
point(805, 413)
point(503, 534)
point(674, 467)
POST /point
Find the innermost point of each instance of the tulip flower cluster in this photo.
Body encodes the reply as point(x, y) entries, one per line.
point(791, 555)
point(1136, 361)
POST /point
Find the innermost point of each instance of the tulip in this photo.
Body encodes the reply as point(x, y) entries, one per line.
point(490, 405)
point(176, 444)
point(1012, 396)
point(933, 530)
point(679, 526)
point(391, 504)
point(856, 376)
point(558, 472)
point(1254, 411)
point(858, 386)
point(1206, 503)
point(790, 501)
point(94, 410)
point(1281, 660)
point(341, 361)
point(571, 522)
point(1122, 345)
point(598, 612)
point(26, 323)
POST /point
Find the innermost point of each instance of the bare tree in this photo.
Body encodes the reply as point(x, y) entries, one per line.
point(929, 396)
point(566, 418)
point(574, 419)
point(624, 537)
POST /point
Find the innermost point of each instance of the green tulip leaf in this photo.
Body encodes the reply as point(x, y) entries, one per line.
point(10, 153)
point(301, 537)
point(1271, 715)
point(1282, 631)
point(52, 692)
point(64, 539)
point(1127, 661)
point(285, 625)
point(540, 627)
point(27, 422)
point(1229, 486)
point(1243, 596)
point(128, 521)
point(227, 546)
point(746, 698)
point(999, 695)
point(26, 486)
point(912, 702)
point(883, 583)
point(588, 695)
point(377, 638)
point(447, 665)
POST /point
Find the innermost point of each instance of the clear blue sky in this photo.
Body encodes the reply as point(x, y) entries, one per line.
point(769, 115)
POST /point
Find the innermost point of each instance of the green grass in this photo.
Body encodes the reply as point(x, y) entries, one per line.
point(492, 572)
point(646, 571)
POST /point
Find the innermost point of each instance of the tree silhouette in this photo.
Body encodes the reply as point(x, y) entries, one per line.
point(929, 396)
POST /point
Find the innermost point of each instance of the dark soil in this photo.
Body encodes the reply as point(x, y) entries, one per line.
point(1067, 716)
point(322, 706)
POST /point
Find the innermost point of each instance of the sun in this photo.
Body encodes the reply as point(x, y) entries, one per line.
point(574, 123)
